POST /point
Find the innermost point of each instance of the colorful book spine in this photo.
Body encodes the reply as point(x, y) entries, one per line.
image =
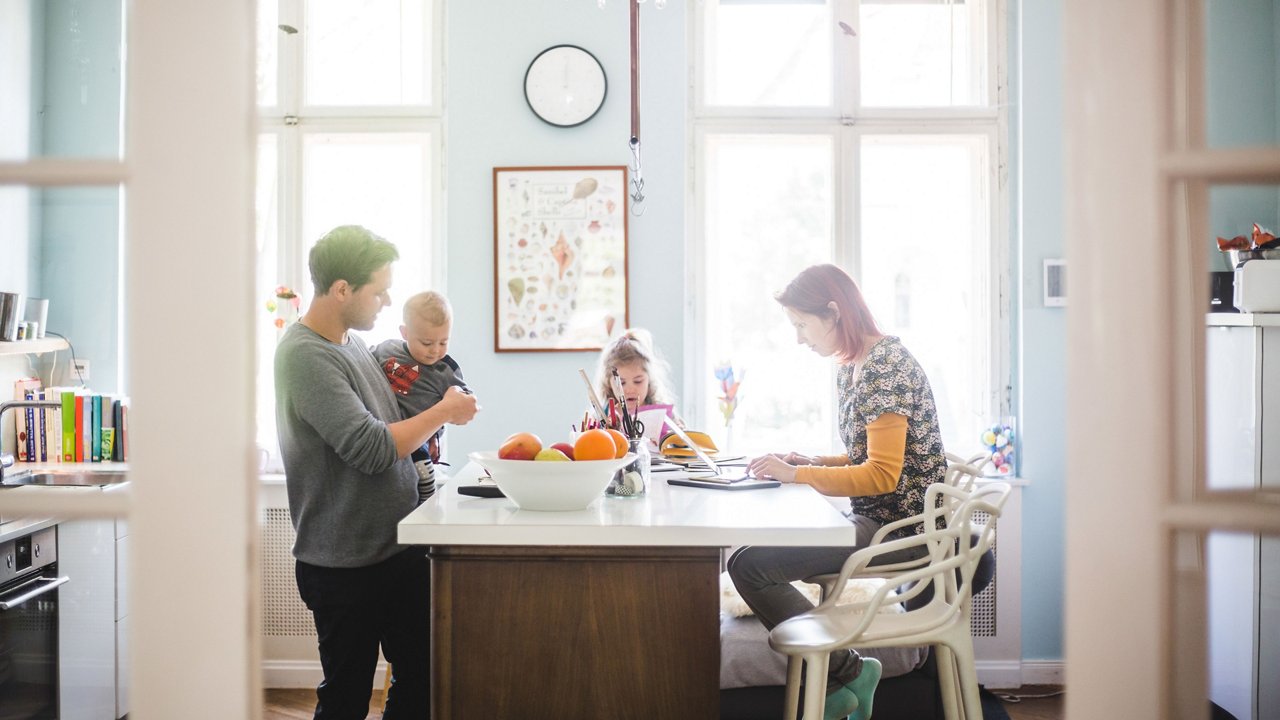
point(22, 428)
point(42, 442)
point(55, 431)
point(32, 428)
point(79, 426)
point(117, 410)
point(108, 428)
point(68, 426)
point(95, 428)
point(124, 432)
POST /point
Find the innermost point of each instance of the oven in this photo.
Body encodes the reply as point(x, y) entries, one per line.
point(29, 583)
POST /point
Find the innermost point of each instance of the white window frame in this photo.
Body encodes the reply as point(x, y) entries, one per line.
point(846, 124)
point(290, 120)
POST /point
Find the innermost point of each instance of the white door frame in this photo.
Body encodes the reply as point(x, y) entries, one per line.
point(1136, 504)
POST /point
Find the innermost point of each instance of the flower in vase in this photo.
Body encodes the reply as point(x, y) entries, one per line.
point(728, 389)
point(285, 305)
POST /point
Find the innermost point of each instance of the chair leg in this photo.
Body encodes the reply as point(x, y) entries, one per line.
point(815, 690)
point(947, 685)
point(794, 666)
point(968, 678)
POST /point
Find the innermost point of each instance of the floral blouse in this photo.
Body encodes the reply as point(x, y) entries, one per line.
point(891, 381)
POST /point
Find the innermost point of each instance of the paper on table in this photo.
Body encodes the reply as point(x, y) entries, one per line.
point(651, 416)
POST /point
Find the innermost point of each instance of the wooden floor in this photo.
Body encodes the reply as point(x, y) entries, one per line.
point(1034, 708)
point(299, 704)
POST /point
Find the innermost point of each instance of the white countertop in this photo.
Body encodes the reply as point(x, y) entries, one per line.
point(1243, 319)
point(666, 515)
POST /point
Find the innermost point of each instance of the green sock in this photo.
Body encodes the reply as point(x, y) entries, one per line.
point(864, 687)
point(840, 703)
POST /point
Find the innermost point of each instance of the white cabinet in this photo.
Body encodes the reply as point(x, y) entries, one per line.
point(93, 554)
point(1242, 412)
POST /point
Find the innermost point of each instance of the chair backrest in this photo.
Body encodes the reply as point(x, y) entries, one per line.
point(963, 472)
point(954, 550)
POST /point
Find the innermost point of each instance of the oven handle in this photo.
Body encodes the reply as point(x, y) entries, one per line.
point(45, 585)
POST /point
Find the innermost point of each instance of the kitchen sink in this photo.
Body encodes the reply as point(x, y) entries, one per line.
point(64, 478)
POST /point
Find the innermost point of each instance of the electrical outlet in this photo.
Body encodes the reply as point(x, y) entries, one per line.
point(80, 370)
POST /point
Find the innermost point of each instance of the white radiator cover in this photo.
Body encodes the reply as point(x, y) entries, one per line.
point(290, 659)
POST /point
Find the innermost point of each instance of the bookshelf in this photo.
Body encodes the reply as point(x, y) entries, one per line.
point(33, 347)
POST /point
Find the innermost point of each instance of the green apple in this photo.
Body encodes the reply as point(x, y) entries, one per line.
point(551, 454)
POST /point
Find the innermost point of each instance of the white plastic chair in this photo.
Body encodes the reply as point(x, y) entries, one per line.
point(961, 474)
point(943, 622)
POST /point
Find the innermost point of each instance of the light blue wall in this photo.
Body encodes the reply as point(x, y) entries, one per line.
point(1041, 331)
point(490, 125)
point(1242, 97)
point(77, 229)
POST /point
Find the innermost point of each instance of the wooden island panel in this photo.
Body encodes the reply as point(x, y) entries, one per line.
point(563, 632)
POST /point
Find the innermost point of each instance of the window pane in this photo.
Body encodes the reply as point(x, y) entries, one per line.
point(922, 54)
point(380, 181)
point(371, 52)
point(768, 53)
point(769, 209)
point(269, 277)
point(268, 52)
point(925, 271)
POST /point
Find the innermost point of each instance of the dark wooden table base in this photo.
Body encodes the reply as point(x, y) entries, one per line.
point(575, 632)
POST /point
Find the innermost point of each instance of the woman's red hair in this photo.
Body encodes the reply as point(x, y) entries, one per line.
point(812, 291)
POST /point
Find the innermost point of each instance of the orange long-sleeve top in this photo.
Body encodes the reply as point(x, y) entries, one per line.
point(834, 476)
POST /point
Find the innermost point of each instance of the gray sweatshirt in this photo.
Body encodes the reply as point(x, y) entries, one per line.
point(347, 488)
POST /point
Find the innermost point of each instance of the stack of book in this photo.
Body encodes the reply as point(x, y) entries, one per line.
point(85, 427)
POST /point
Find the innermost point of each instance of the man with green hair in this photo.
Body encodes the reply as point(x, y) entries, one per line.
point(350, 481)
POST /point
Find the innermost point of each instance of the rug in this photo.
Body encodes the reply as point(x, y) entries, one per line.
point(992, 707)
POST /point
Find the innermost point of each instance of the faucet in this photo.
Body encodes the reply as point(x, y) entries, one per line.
point(6, 459)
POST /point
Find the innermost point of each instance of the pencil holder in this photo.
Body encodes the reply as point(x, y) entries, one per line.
point(633, 479)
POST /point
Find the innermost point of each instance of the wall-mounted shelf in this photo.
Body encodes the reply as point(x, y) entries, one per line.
point(42, 345)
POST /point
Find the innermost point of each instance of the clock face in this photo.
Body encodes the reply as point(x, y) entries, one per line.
point(565, 85)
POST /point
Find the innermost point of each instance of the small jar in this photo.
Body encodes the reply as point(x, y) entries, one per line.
point(633, 478)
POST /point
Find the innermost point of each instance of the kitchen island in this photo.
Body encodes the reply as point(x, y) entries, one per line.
point(612, 611)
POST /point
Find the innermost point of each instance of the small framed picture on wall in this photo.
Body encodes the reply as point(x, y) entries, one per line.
point(559, 257)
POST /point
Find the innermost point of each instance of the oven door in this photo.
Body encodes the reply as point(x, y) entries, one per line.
point(29, 646)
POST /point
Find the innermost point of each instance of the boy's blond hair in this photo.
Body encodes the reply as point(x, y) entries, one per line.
point(430, 307)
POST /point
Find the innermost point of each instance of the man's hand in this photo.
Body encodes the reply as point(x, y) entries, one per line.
point(459, 406)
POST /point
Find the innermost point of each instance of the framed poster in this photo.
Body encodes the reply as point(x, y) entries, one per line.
point(559, 257)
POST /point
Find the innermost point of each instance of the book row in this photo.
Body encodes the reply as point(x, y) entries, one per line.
point(82, 427)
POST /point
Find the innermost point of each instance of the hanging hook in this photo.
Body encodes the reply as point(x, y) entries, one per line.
point(637, 179)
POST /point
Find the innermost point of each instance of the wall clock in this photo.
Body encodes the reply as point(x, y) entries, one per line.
point(565, 85)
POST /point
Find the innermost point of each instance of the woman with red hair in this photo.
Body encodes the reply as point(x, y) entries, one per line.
point(893, 452)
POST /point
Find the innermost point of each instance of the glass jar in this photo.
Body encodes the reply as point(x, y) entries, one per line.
point(633, 478)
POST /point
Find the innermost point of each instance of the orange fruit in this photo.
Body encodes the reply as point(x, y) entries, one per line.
point(619, 442)
point(594, 445)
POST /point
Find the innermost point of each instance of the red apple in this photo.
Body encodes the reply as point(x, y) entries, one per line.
point(520, 446)
point(565, 448)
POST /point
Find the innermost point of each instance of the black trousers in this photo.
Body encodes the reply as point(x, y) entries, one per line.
point(356, 610)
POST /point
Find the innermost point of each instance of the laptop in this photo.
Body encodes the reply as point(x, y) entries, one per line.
point(716, 473)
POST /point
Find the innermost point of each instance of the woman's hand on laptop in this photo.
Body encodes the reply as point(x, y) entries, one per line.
point(772, 466)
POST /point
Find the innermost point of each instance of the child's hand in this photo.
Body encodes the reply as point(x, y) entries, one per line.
point(461, 406)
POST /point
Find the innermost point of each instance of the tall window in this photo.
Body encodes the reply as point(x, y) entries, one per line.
point(351, 122)
point(864, 133)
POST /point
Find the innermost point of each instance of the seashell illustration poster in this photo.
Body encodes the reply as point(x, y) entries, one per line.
point(560, 257)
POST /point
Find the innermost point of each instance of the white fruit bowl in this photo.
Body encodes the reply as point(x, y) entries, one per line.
point(548, 484)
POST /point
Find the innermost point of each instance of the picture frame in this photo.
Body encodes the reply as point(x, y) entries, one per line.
point(559, 257)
